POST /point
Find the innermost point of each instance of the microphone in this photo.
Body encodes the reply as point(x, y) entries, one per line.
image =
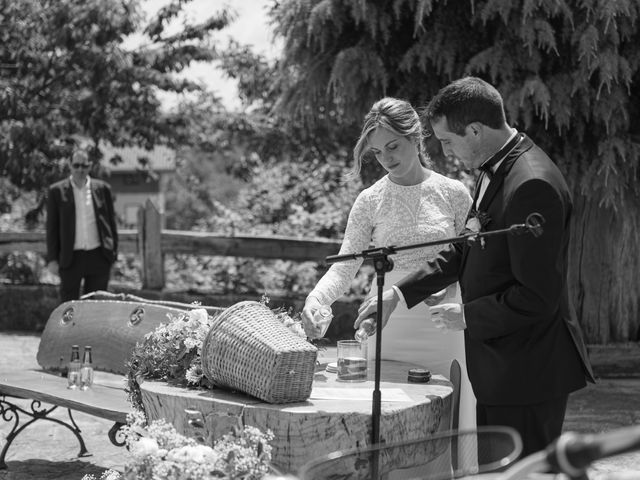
point(533, 224)
point(572, 453)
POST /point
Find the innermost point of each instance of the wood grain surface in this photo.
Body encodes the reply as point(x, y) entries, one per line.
point(306, 430)
point(105, 398)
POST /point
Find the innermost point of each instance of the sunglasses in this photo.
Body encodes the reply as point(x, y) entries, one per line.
point(80, 165)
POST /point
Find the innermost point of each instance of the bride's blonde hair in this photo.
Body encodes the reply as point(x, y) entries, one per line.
point(397, 116)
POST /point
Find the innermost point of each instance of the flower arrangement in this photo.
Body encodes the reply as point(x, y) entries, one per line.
point(159, 452)
point(173, 351)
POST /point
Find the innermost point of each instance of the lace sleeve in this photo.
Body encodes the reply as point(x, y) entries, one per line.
point(357, 237)
point(461, 203)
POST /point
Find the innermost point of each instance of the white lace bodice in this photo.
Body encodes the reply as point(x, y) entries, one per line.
point(390, 214)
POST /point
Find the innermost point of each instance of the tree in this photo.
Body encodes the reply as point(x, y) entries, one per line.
point(291, 179)
point(292, 173)
point(570, 75)
point(65, 72)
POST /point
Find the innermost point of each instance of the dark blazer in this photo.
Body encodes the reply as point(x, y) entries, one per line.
point(523, 342)
point(61, 221)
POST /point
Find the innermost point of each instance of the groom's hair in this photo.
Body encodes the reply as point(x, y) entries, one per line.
point(467, 100)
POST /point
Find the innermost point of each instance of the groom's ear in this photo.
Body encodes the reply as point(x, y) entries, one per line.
point(474, 129)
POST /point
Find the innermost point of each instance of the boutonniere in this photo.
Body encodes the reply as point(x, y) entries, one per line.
point(477, 222)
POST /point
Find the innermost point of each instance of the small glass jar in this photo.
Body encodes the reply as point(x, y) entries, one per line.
point(321, 321)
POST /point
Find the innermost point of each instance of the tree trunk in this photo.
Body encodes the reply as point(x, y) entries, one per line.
point(604, 272)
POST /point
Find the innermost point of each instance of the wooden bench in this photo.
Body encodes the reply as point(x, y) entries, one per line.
point(112, 328)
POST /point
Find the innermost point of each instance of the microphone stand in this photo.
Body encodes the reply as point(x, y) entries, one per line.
point(382, 264)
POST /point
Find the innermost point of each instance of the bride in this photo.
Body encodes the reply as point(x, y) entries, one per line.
point(410, 204)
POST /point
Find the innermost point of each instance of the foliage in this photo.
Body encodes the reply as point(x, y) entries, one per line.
point(302, 200)
point(21, 267)
point(200, 189)
point(127, 269)
point(298, 199)
point(289, 183)
point(171, 352)
point(65, 72)
point(568, 70)
point(159, 452)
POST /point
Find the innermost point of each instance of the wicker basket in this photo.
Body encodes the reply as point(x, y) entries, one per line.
point(250, 350)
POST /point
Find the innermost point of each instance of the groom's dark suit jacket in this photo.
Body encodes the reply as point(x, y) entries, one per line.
point(523, 343)
point(61, 221)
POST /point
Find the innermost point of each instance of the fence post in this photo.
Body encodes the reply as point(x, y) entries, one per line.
point(149, 239)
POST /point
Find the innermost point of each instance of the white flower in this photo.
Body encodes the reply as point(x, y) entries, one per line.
point(200, 315)
point(194, 374)
point(191, 342)
point(288, 321)
point(298, 329)
point(110, 475)
point(473, 225)
point(145, 447)
point(192, 453)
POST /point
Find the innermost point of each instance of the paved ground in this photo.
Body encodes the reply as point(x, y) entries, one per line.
point(45, 451)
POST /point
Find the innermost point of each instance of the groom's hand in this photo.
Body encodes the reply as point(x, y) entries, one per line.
point(370, 306)
point(436, 298)
point(448, 316)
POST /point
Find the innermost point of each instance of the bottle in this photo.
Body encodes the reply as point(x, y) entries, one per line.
point(86, 370)
point(366, 329)
point(63, 367)
point(321, 320)
point(73, 372)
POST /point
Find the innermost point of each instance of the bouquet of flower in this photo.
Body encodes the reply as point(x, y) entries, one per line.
point(171, 352)
point(159, 452)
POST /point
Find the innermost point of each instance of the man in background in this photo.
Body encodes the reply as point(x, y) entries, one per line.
point(82, 239)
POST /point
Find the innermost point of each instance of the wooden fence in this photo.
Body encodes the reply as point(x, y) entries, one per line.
point(150, 241)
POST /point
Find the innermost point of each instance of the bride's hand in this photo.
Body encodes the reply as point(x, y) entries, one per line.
point(311, 305)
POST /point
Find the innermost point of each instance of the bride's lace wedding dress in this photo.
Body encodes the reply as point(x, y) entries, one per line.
point(390, 214)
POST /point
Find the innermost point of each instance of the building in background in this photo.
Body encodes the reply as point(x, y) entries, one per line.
point(136, 176)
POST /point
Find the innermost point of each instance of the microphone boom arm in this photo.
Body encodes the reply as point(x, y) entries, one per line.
point(533, 224)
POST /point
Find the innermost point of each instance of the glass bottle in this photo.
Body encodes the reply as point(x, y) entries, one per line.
point(321, 320)
point(86, 370)
point(73, 372)
point(366, 329)
point(63, 367)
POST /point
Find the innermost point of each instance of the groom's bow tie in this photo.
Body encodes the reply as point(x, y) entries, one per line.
point(487, 166)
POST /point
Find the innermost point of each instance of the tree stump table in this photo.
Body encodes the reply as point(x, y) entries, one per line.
point(337, 415)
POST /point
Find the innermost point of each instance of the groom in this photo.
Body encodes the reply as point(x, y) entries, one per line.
point(524, 348)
